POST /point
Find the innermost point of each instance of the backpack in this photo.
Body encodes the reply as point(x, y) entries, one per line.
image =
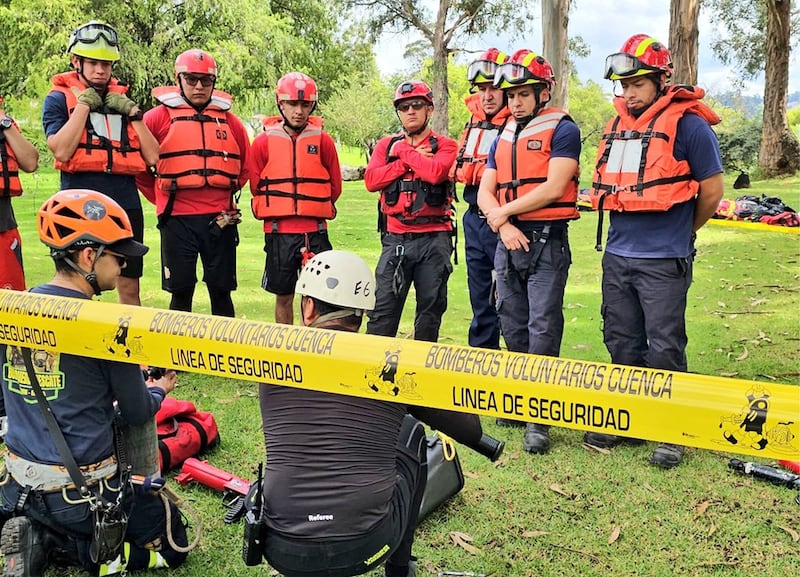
point(183, 432)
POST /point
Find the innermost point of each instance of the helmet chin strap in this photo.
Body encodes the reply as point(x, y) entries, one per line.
point(100, 88)
point(89, 276)
point(536, 109)
point(422, 129)
point(297, 129)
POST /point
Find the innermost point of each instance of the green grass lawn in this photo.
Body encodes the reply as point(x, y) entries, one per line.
point(572, 511)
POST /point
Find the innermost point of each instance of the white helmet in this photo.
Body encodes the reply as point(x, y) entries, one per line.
point(339, 278)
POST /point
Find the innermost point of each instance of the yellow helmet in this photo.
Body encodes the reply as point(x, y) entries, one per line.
point(96, 41)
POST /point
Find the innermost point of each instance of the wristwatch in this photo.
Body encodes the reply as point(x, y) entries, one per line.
point(6, 123)
point(138, 116)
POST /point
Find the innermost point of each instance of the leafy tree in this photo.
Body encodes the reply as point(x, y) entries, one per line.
point(442, 27)
point(591, 110)
point(361, 113)
point(759, 38)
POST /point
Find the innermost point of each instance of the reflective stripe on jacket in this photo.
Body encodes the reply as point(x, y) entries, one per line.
point(199, 150)
point(522, 158)
point(476, 140)
point(636, 169)
point(109, 143)
point(294, 181)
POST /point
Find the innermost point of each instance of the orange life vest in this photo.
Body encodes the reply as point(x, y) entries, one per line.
point(9, 178)
point(294, 181)
point(109, 142)
point(199, 149)
point(636, 168)
point(522, 160)
point(414, 201)
point(476, 140)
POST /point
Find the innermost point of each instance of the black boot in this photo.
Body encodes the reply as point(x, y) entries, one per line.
point(23, 544)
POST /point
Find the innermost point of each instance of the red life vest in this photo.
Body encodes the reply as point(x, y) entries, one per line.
point(294, 181)
point(9, 178)
point(109, 143)
point(522, 160)
point(199, 149)
point(415, 202)
point(476, 140)
point(636, 168)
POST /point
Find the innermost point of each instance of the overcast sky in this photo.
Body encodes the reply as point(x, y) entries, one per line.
point(604, 26)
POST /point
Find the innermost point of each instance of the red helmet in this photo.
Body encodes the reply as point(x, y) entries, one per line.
point(296, 86)
point(79, 217)
point(524, 67)
point(483, 69)
point(413, 89)
point(639, 55)
point(195, 62)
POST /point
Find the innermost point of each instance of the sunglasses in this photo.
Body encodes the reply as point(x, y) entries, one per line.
point(622, 64)
point(416, 105)
point(91, 32)
point(192, 80)
point(121, 260)
point(484, 68)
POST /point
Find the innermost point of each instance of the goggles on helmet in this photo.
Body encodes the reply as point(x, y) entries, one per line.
point(484, 68)
point(515, 74)
point(91, 32)
point(622, 65)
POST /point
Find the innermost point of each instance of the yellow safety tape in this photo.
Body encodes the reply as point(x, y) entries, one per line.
point(735, 415)
point(756, 226)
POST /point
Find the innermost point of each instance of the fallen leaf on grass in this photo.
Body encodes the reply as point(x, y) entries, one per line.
point(554, 487)
point(730, 374)
point(589, 447)
point(614, 534)
point(463, 540)
point(712, 530)
point(649, 488)
point(701, 509)
point(721, 305)
point(744, 355)
point(795, 535)
point(471, 475)
point(535, 533)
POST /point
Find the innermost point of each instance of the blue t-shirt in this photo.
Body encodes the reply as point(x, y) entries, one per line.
point(121, 188)
point(80, 391)
point(668, 234)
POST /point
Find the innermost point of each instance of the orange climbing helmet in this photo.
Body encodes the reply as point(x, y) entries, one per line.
point(75, 218)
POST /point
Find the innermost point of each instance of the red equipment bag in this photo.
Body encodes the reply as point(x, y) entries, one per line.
point(183, 432)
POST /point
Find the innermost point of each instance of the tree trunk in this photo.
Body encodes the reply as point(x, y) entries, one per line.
point(441, 99)
point(683, 33)
point(780, 152)
point(555, 47)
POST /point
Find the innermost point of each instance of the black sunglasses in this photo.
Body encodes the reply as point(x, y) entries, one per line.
point(416, 105)
point(121, 260)
point(192, 80)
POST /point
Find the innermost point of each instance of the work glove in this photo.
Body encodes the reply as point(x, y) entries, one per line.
point(120, 103)
point(89, 97)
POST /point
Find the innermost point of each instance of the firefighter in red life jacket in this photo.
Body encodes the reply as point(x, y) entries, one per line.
point(16, 153)
point(411, 172)
point(201, 167)
point(489, 115)
point(295, 185)
point(659, 173)
point(96, 133)
point(528, 193)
